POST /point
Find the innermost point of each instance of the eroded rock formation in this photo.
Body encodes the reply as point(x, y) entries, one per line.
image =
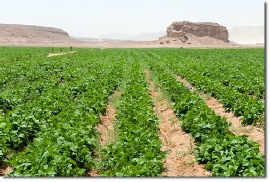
point(180, 30)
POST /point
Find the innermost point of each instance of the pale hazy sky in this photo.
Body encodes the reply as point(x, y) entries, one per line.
point(91, 18)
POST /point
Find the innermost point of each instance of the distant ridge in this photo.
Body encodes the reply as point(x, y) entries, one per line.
point(32, 34)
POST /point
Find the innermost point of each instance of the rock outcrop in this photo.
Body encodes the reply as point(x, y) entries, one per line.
point(25, 34)
point(180, 30)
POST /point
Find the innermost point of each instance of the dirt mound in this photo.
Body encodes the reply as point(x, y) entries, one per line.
point(196, 33)
point(27, 34)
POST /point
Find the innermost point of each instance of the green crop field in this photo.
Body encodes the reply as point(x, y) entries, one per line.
point(50, 108)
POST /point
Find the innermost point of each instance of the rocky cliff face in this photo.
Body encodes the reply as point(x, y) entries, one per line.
point(182, 29)
point(12, 33)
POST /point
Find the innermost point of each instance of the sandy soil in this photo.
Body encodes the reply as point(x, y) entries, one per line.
point(180, 160)
point(5, 169)
point(106, 129)
point(59, 54)
point(134, 44)
point(106, 126)
point(254, 133)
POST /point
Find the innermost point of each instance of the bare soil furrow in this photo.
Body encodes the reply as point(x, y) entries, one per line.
point(5, 169)
point(105, 128)
point(180, 160)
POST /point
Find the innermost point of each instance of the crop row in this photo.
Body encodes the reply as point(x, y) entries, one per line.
point(224, 153)
point(29, 106)
point(240, 104)
point(241, 70)
point(251, 109)
point(15, 63)
point(63, 123)
point(136, 152)
point(51, 106)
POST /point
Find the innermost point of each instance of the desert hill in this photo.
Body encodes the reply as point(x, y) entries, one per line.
point(28, 34)
point(179, 34)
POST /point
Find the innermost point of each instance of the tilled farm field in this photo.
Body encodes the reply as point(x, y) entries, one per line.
point(132, 112)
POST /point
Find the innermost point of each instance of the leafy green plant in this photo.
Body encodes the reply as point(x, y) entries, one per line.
point(230, 155)
point(137, 148)
point(223, 153)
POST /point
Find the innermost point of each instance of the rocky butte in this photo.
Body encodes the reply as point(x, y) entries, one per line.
point(182, 30)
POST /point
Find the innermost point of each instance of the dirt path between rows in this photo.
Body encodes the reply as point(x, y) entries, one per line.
point(59, 54)
point(180, 160)
point(254, 133)
point(5, 169)
point(105, 127)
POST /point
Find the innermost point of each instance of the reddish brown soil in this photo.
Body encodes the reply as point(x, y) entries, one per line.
point(106, 129)
point(5, 169)
point(93, 173)
point(254, 133)
point(180, 160)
